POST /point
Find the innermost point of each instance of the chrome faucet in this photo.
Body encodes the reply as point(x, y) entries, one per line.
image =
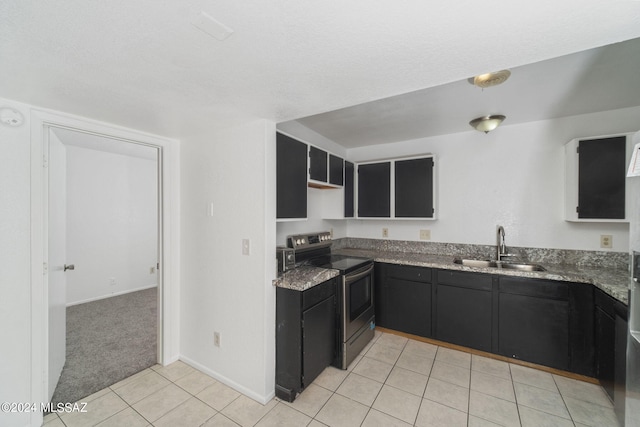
point(501, 250)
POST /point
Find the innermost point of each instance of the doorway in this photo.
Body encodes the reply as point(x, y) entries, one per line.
point(103, 231)
point(42, 265)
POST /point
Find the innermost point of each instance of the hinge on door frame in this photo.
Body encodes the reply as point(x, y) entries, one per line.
point(157, 266)
point(577, 209)
point(578, 149)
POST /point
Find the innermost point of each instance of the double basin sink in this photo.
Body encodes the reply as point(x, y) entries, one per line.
point(498, 264)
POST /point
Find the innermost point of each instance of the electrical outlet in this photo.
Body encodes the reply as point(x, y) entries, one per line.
point(385, 232)
point(216, 339)
point(246, 246)
point(112, 281)
point(606, 241)
point(425, 234)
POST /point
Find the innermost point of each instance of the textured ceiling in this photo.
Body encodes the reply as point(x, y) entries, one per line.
point(599, 79)
point(144, 65)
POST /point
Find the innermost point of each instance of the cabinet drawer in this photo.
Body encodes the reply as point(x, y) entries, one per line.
point(465, 280)
point(534, 288)
point(314, 295)
point(405, 272)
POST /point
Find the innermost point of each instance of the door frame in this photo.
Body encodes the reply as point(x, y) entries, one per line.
point(168, 233)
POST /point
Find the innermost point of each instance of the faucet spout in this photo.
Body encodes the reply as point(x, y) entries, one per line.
point(501, 247)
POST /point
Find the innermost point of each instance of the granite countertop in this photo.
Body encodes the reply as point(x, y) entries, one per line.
point(613, 281)
point(303, 278)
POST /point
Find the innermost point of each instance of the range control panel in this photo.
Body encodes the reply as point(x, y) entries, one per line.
point(309, 241)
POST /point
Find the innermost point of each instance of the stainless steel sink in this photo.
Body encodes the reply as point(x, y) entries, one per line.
point(480, 263)
point(522, 267)
point(476, 263)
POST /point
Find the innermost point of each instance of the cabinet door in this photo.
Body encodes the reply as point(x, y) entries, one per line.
point(414, 188)
point(291, 177)
point(464, 309)
point(317, 164)
point(374, 190)
point(348, 189)
point(533, 321)
point(620, 377)
point(605, 350)
point(403, 298)
point(601, 178)
point(409, 307)
point(534, 329)
point(336, 170)
point(463, 316)
point(318, 339)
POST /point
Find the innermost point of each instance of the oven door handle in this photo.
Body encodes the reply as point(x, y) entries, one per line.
point(350, 278)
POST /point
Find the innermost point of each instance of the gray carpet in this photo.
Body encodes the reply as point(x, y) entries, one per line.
point(108, 340)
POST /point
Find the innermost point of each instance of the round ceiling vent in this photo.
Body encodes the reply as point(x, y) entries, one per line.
point(11, 117)
point(490, 79)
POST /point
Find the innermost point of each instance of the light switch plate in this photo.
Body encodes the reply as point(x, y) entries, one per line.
point(425, 234)
point(246, 246)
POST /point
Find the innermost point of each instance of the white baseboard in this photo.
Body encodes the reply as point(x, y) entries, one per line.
point(263, 400)
point(115, 294)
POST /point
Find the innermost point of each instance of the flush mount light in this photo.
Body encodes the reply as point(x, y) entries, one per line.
point(487, 123)
point(11, 117)
point(490, 79)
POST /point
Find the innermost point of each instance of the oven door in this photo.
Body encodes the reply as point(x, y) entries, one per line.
point(357, 300)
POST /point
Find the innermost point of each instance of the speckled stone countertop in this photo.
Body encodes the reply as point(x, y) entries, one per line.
point(303, 278)
point(613, 281)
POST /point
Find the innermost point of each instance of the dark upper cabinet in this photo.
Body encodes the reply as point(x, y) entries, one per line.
point(601, 178)
point(414, 188)
point(291, 177)
point(336, 170)
point(374, 189)
point(317, 164)
point(348, 189)
point(463, 309)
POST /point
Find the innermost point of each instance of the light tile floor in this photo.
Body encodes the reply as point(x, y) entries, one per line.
point(394, 382)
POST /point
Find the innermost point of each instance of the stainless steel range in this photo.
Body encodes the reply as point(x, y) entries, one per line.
point(355, 300)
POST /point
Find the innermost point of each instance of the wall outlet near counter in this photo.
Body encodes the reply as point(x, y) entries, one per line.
point(425, 234)
point(385, 232)
point(606, 241)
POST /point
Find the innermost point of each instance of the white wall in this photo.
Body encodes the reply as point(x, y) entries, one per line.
point(513, 176)
point(112, 227)
point(221, 289)
point(15, 335)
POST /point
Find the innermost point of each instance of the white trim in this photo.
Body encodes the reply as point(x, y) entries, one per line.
point(115, 294)
point(169, 253)
point(263, 400)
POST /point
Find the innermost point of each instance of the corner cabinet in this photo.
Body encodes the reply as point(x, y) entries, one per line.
point(595, 177)
point(397, 188)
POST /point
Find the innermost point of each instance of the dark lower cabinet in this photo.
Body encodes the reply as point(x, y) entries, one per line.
point(533, 321)
point(620, 358)
point(605, 323)
point(305, 336)
point(403, 299)
point(463, 308)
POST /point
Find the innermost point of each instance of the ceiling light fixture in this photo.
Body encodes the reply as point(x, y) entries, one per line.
point(487, 123)
point(490, 79)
